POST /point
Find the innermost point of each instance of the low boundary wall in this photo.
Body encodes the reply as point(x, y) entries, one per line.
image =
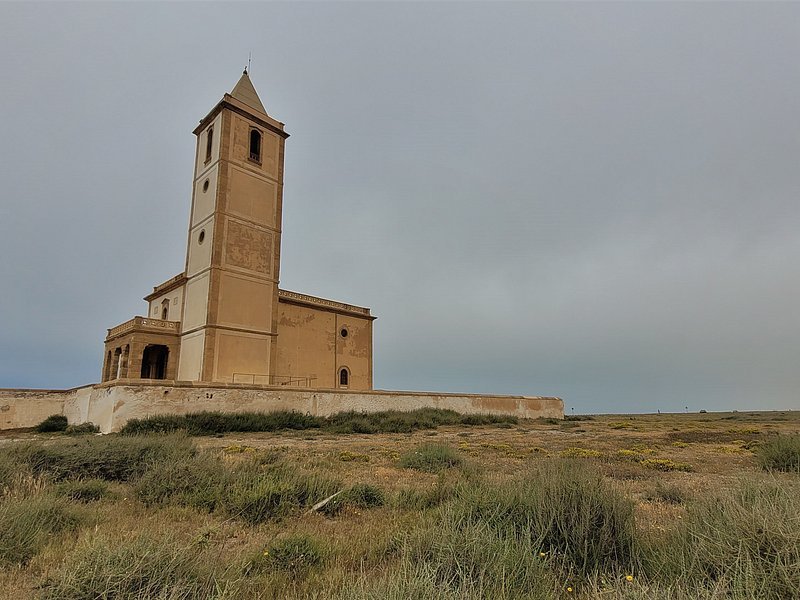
point(111, 405)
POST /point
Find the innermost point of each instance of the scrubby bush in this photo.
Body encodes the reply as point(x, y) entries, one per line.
point(431, 458)
point(578, 418)
point(486, 419)
point(82, 429)
point(563, 508)
point(52, 423)
point(364, 495)
point(253, 492)
point(428, 497)
point(747, 544)
point(361, 495)
point(295, 555)
point(213, 423)
point(132, 570)
point(446, 559)
point(111, 458)
point(87, 490)
point(255, 497)
point(780, 453)
point(28, 524)
point(666, 465)
point(198, 480)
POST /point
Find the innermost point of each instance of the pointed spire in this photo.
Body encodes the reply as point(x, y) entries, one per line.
point(246, 93)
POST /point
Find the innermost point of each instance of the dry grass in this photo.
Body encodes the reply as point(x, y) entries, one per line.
point(169, 529)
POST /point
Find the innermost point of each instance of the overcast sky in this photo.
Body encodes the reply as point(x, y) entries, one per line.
point(594, 201)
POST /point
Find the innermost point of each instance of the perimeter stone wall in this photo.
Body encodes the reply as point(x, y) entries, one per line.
point(111, 405)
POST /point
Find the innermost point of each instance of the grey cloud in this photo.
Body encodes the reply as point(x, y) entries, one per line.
point(597, 201)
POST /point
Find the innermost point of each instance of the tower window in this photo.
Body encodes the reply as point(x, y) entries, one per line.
point(165, 309)
point(255, 145)
point(344, 377)
point(209, 143)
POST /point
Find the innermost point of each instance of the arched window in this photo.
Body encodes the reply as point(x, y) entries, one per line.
point(209, 142)
point(344, 377)
point(255, 145)
point(165, 309)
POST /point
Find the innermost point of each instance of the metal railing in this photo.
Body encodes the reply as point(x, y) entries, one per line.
point(276, 380)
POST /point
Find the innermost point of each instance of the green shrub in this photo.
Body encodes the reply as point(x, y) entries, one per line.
point(82, 429)
point(486, 419)
point(296, 555)
point(132, 570)
point(85, 490)
point(212, 423)
point(52, 423)
point(28, 524)
point(364, 495)
point(199, 481)
point(215, 423)
point(446, 557)
point(154, 424)
point(428, 497)
point(746, 544)
point(780, 453)
point(10, 469)
point(563, 508)
point(251, 491)
point(431, 458)
point(361, 495)
point(255, 497)
point(112, 458)
point(666, 465)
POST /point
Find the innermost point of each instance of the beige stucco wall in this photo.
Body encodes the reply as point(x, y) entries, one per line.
point(201, 165)
point(271, 160)
point(240, 353)
point(253, 197)
point(28, 408)
point(110, 406)
point(195, 303)
point(137, 401)
point(191, 359)
point(205, 199)
point(310, 344)
point(198, 253)
point(175, 310)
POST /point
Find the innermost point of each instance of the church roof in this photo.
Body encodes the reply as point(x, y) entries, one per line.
point(246, 93)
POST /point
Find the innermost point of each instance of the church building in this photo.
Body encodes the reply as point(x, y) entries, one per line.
point(224, 319)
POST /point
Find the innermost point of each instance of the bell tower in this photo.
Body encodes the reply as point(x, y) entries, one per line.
point(230, 305)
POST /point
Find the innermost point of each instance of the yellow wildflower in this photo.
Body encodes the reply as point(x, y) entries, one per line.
point(569, 590)
point(628, 577)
